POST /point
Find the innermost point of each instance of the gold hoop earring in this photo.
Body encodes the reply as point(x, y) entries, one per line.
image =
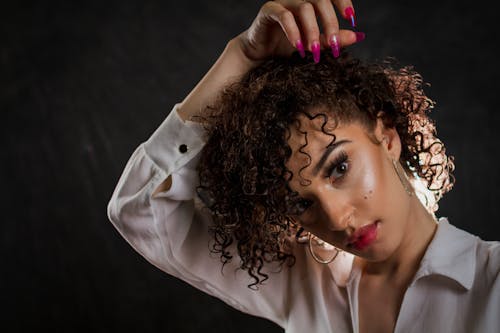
point(402, 177)
point(323, 244)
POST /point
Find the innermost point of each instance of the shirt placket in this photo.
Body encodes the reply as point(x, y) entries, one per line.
point(352, 294)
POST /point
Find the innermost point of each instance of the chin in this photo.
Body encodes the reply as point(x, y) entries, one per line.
point(375, 253)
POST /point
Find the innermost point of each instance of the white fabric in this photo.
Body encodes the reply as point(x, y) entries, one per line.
point(456, 289)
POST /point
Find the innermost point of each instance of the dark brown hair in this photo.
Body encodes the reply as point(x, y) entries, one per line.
point(243, 178)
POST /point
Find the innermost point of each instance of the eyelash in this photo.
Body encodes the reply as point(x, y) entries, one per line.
point(335, 163)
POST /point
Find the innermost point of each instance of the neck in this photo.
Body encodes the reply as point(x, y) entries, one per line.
point(404, 263)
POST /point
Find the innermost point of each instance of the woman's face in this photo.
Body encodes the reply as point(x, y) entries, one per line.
point(348, 184)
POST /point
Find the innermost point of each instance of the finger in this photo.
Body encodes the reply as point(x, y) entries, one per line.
point(346, 8)
point(309, 27)
point(346, 38)
point(286, 20)
point(349, 37)
point(324, 8)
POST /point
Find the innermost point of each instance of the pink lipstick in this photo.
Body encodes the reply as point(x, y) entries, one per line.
point(364, 236)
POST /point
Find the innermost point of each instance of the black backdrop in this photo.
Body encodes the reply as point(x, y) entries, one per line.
point(83, 83)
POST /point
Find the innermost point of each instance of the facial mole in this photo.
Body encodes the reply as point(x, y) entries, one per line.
point(366, 197)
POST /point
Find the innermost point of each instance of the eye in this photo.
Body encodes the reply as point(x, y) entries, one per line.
point(303, 204)
point(338, 167)
point(300, 206)
point(339, 170)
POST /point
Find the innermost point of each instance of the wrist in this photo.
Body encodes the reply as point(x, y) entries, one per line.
point(239, 48)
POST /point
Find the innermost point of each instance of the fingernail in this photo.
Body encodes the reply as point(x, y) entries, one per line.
point(334, 44)
point(300, 48)
point(315, 49)
point(349, 14)
point(360, 36)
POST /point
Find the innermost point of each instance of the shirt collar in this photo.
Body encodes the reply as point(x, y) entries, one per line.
point(451, 253)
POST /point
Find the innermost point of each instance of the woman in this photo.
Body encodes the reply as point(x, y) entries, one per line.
point(297, 150)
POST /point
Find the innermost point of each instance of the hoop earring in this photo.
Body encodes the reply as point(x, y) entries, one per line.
point(402, 177)
point(318, 259)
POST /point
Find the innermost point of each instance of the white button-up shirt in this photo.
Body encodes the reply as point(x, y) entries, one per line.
point(456, 289)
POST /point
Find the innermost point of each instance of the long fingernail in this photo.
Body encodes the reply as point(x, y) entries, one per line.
point(315, 49)
point(300, 48)
point(360, 36)
point(349, 14)
point(334, 44)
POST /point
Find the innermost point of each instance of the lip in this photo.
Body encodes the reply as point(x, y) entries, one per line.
point(363, 236)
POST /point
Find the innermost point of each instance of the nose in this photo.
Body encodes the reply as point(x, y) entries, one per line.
point(337, 211)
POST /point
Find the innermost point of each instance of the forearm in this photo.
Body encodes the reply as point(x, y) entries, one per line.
point(228, 68)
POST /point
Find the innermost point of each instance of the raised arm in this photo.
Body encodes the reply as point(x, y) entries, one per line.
point(154, 205)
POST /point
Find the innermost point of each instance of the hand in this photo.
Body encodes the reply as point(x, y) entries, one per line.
point(279, 28)
point(283, 26)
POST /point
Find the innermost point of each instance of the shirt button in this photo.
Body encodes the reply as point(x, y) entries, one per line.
point(183, 148)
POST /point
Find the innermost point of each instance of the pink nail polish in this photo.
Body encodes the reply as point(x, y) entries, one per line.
point(334, 44)
point(349, 14)
point(360, 36)
point(300, 48)
point(315, 49)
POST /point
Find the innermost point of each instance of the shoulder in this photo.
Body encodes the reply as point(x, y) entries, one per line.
point(488, 259)
point(470, 252)
point(472, 260)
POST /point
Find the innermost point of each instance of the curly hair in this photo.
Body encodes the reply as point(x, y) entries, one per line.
point(243, 177)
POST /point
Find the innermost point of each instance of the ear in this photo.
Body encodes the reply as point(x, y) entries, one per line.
point(389, 139)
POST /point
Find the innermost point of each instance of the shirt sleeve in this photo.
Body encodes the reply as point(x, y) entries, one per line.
point(170, 229)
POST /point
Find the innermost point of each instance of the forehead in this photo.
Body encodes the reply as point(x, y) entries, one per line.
point(311, 134)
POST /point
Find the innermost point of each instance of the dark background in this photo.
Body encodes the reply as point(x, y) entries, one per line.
point(84, 83)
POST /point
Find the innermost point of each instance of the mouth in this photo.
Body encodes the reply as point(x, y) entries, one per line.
point(363, 236)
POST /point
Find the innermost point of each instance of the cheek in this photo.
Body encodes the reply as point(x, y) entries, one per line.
point(382, 195)
point(371, 180)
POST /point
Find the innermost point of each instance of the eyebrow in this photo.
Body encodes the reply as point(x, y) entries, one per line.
point(329, 149)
